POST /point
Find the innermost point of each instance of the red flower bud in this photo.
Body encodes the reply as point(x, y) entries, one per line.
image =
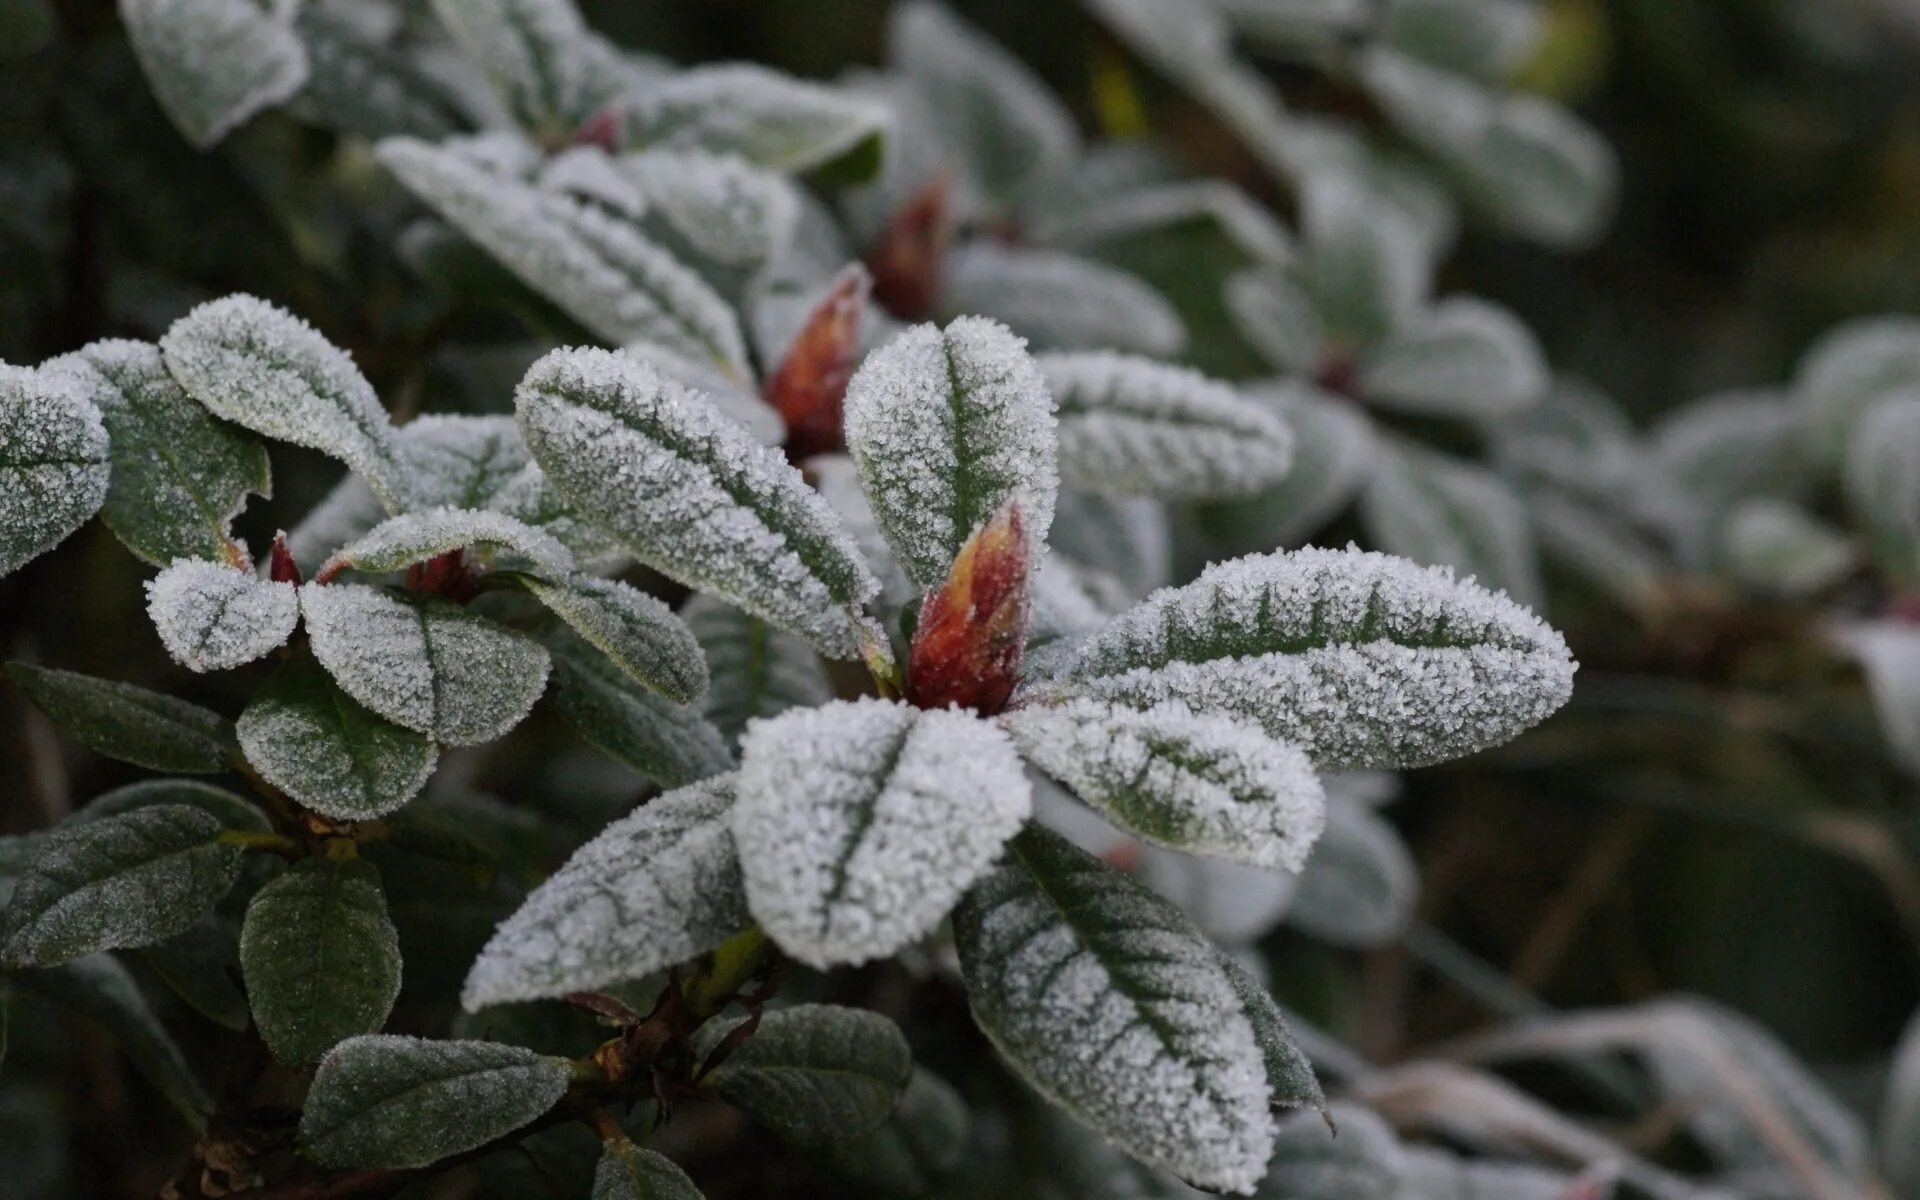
point(811, 381)
point(973, 628)
point(280, 565)
point(907, 263)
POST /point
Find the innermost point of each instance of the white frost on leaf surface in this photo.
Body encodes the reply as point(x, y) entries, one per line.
point(636, 631)
point(418, 536)
point(737, 398)
point(531, 499)
point(765, 117)
point(1846, 374)
point(1466, 357)
point(1062, 302)
point(1152, 210)
point(1111, 1003)
point(460, 461)
point(1138, 427)
point(837, 478)
point(212, 617)
point(757, 671)
point(595, 265)
point(1361, 659)
point(264, 368)
point(590, 173)
point(692, 494)
point(425, 664)
point(861, 823)
point(722, 205)
point(535, 54)
point(312, 741)
point(946, 427)
point(1275, 314)
point(1207, 784)
point(54, 470)
point(215, 63)
point(1442, 511)
point(655, 888)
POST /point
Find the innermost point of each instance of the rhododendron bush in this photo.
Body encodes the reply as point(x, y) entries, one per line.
point(661, 625)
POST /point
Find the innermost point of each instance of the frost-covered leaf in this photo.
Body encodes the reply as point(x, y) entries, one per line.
point(1366, 268)
point(214, 63)
point(1900, 1114)
point(1277, 316)
point(222, 805)
point(720, 204)
point(1204, 784)
point(860, 823)
point(126, 880)
point(418, 536)
point(1361, 659)
point(1060, 301)
point(655, 888)
point(1110, 1003)
point(1334, 451)
point(424, 663)
point(1290, 1075)
point(1465, 357)
point(1440, 511)
point(461, 461)
point(536, 55)
point(320, 958)
point(1482, 39)
point(639, 633)
point(1595, 543)
point(179, 474)
point(596, 266)
point(264, 368)
point(360, 81)
point(1363, 1162)
point(1846, 374)
point(54, 463)
point(947, 427)
point(1780, 548)
point(691, 493)
point(837, 479)
point(1359, 887)
point(211, 617)
point(813, 1073)
point(921, 1142)
point(129, 723)
point(1707, 456)
point(1161, 210)
point(319, 745)
point(1296, 24)
point(1007, 128)
point(200, 964)
point(399, 1102)
point(1139, 427)
point(757, 671)
point(1882, 478)
point(728, 392)
point(1889, 653)
point(761, 115)
point(671, 744)
point(1124, 540)
point(628, 1172)
point(531, 499)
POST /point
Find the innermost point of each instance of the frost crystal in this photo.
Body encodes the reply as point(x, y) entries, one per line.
point(691, 493)
point(653, 889)
point(1465, 358)
point(425, 664)
point(671, 744)
point(1361, 659)
point(1138, 427)
point(531, 499)
point(946, 428)
point(533, 51)
point(266, 369)
point(757, 670)
point(212, 617)
point(460, 461)
point(418, 536)
point(1061, 302)
point(214, 63)
point(763, 116)
point(317, 744)
point(1441, 511)
point(54, 470)
point(1204, 784)
point(594, 265)
point(720, 204)
point(860, 823)
point(639, 633)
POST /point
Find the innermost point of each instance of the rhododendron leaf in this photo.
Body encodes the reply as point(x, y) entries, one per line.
point(763, 116)
point(1060, 301)
point(534, 52)
point(1441, 511)
point(418, 536)
point(757, 671)
point(672, 744)
point(54, 463)
point(637, 632)
point(722, 206)
point(1464, 358)
point(813, 1073)
point(211, 617)
point(129, 723)
point(214, 63)
point(320, 956)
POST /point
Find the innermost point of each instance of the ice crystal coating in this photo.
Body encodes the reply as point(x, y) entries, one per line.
point(813, 1073)
point(1361, 659)
point(126, 880)
point(1882, 478)
point(461, 461)
point(129, 723)
point(1205, 784)
point(757, 671)
point(860, 823)
point(317, 744)
point(639, 633)
point(763, 116)
point(264, 368)
point(655, 888)
point(400, 1102)
point(691, 493)
point(179, 474)
point(596, 266)
point(1441, 511)
point(837, 479)
point(423, 663)
point(1360, 886)
point(1464, 358)
point(320, 957)
point(589, 173)
point(531, 499)
point(720, 204)
point(418, 536)
point(628, 1172)
point(1138, 427)
point(672, 744)
point(212, 617)
point(54, 471)
point(362, 79)
point(1110, 1003)
point(534, 52)
point(1155, 209)
point(214, 63)
point(1061, 302)
point(223, 806)
point(947, 427)
point(1278, 318)
point(1847, 373)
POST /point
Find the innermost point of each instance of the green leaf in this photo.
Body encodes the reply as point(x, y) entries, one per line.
point(1334, 450)
point(1882, 479)
point(757, 671)
point(1365, 266)
point(200, 964)
point(947, 427)
point(717, 510)
point(1290, 1074)
point(402, 1102)
point(53, 463)
point(1061, 301)
point(1441, 511)
point(671, 744)
point(233, 812)
point(1110, 1003)
point(1360, 886)
point(531, 499)
point(1482, 39)
point(1364, 1162)
point(1361, 659)
point(1209, 208)
point(321, 959)
point(211, 616)
point(1846, 375)
point(424, 663)
point(266, 369)
point(1781, 549)
point(213, 64)
point(638, 633)
point(418, 536)
point(724, 208)
point(180, 475)
point(129, 723)
point(861, 823)
point(536, 53)
point(1464, 358)
point(812, 1073)
point(920, 1143)
point(765, 117)
point(627, 1172)
point(655, 888)
point(364, 81)
point(127, 880)
point(1277, 316)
